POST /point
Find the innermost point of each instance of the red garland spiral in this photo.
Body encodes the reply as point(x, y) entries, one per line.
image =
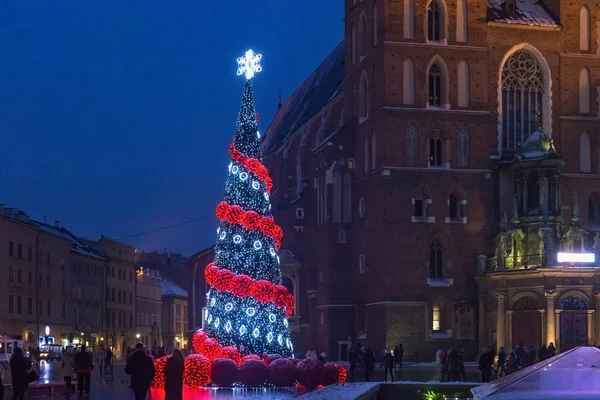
point(281, 296)
point(223, 280)
point(242, 286)
point(253, 165)
point(210, 274)
point(232, 353)
point(264, 291)
point(251, 220)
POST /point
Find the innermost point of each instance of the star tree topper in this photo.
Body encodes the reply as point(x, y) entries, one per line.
point(249, 64)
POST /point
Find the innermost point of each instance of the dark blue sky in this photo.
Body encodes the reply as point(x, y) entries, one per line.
point(116, 115)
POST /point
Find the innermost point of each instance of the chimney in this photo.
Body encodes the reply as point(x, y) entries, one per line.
point(57, 224)
point(510, 6)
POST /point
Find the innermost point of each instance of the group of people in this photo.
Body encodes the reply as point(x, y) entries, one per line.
point(519, 357)
point(452, 364)
point(361, 357)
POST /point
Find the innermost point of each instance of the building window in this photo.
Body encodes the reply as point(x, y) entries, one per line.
point(64, 309)
point(29, 254)
point(461, 21)
point(463, 147)
point(48, 258)
point(366, 153)
point(434, 21)
point(347, 198)
point(300, 213)
point(436, 261)
point(11, 275)
point(29, 306)
point(361, 263)
point(408, 81)
point(30, 278)
point(594, 211)
point(40, 307)
point(419, 211)
point(463, 84)
point(412, 145)
point(584, 29)
point(337, 197)
point(522, 96)
point(435, 85)
point(362, 38)
point(436, 314)
point(11, 304)
point(361, 207)
point(584, 91)
point(409, 19)
point(375, 23)
point(130, 298)
point(453, 207)
point(20, 251)
point(20, 276)
point(373, 150)
point(11, 249)
point(48, 281)
point(49, 308)
point(363, 98)
point(19, 305)
point(435, 152)
point(585, 153)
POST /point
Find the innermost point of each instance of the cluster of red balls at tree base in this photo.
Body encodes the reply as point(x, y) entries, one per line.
point(282, 372)
point(243, 286)
point(211, 349)
point(269, 358)
point(252, 373)
point(342, 373)
point(196, 371)
point(251, 357)
point(310, 373)
point(224, 372)
point(198, 340)
point(159, 371)
point(232, 353)
point(330, 375)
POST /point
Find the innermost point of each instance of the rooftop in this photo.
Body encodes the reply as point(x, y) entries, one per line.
point(171, 289)
point(324, 84)
point(528, 12)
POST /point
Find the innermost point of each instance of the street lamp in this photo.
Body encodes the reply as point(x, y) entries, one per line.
point(137, 336)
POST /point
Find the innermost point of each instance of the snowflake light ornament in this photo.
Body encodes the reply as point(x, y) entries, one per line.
point(249, 64)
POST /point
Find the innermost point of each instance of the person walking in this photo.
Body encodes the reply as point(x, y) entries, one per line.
point(108, 361)
point(400, 355)
point(483, 360)
point(389, 365)
point(84, 364)
point(369, 363)
point(1, 382)
point(141, 369)
point(353, 361)
point(101, 358)
point(174, 376)
point(67, 365)
point(501, 363)
point(20, 368)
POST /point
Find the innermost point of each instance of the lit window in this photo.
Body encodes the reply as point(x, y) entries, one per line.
point(436, 318)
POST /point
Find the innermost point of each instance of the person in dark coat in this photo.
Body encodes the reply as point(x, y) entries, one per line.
point(501, 363)
point(369, 363)
point(19, 370)
point(141, 369)
point(485, 365)
point(84, 364)
point(389, 365)
point(400, 355)
point(174, 376)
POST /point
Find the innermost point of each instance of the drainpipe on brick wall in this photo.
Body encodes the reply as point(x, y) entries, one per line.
point(37, 295)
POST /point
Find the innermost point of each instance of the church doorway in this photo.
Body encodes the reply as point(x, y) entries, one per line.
point(526, 323)
point(573, 322)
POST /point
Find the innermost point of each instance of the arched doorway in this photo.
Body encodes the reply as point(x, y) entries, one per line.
point(527, 323)
point(573, 322)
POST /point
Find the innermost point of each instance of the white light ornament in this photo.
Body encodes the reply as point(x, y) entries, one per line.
point(229, 167)
point(237, 239)
point(272, 317)
point(266, 195)
point(255, 185)
point(249, 64)
point(228, 326)
point(250, 311)
point(235, 169)
point(289, 343)
point(222, 235)
point(228, 307)
point(257, 245)
point(217, 322)
point(285, 323)
point(242, 329)
point(212, 302)
point(209, 319)
point(244, 176)
point(255, 332)
point(258, 134)
point(280, 340)
point(272, 251)
point(270, 337)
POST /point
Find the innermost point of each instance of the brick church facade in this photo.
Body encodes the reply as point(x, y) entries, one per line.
point(428, 172)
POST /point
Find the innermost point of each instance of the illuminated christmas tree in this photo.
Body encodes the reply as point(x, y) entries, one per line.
point(248, 307)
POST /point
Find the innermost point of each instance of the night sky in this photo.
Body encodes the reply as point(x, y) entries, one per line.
point(116, 115)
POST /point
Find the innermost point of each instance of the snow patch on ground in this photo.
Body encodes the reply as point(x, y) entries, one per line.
point(342, 391)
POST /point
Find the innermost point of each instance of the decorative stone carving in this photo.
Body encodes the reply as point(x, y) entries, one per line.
point(501, 250)
point(596, 293)
point(549, 250)
point(500, 295)
point(550, 292)
point(575, 208)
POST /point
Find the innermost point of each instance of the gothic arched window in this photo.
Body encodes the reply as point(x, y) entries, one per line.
point(435, 85)
point(412, 145)
point(585, 153)
point(436, 314)
point(453, 207)
point(436, 261)
point(363, 98)
point(435, 152)
point(522, 95)
point(463, 147)
point(434, 21)
point(594, 211)
point(362, 37)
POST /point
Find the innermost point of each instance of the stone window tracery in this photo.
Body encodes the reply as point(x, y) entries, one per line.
point(522, 94)
point(436, 262)
point(412, 144)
